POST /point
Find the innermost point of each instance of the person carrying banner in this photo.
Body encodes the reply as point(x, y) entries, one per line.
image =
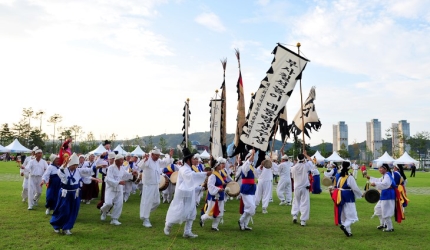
point(301, 202)
point(247, 192)
point(283, 189)
point(263, 192)
point(183, 206)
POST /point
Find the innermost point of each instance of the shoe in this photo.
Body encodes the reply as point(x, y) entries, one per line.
point(24, 200)
point(294, 219)
point(35, 202)
point(166, 230)
point(146, 223)
point(288, 203)
point(343, 228)
point(282, 203)
point(271, 200)
point(241, 226)
point(248, 228)
point(202, 223)
point(302, 223)
point(215, 229)
point(88, 202)
point(103, 216)
point(264, 211)
point(231, 198)
point(190, 235)
point(30, 208)
point(57, 231)
point(388, 230)
point(381, 226)
point(67, 232)
point(47, 211)
point(115, 222)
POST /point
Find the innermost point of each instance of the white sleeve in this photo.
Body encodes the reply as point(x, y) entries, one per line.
point(46, 174)
point(143, 164)
point(383, 183)
point(109, 180)
point(353, 185)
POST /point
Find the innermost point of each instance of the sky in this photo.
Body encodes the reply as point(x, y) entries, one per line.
point(126, 67)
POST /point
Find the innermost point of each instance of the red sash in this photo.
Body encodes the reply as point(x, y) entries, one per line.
point(248, 181)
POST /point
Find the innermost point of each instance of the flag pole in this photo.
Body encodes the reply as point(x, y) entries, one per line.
point(301, 103)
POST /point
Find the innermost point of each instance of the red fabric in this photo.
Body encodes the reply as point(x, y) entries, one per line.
point(241, 206)
point(398, 208)
point(216, 209)
point(311, 181)
point(334, 195)
point(248, 181)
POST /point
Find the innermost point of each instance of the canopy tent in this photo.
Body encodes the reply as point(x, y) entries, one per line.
point(99, 150)
point(3, 149)
point(120, 150)
point(137, 151)
point(319, 157)
point(205, 155)
point(334, 157)
point(16, 147)
point(385, 158)
point(406, 159)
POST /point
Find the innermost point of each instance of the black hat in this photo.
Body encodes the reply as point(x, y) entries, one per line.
point(106, 142)
point(187, 154)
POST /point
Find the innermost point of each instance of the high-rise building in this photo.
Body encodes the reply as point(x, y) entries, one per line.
point(401, 132)
point(374, 138)
point(340, 136)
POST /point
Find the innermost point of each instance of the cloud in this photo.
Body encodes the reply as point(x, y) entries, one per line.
point(210, 21)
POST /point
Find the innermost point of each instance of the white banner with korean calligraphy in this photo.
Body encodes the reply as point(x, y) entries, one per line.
point(272, 95)
point(216, 121)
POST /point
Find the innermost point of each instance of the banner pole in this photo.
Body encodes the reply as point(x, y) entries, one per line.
point(301, 103)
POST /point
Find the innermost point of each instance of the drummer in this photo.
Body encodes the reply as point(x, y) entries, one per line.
point(195, 167)
point(345, 201)
point(214, 208)
point(385, 207)
point(168, 171)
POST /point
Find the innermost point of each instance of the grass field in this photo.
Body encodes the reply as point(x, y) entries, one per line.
point(23, 229)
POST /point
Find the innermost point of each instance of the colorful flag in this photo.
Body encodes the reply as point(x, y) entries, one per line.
point(240, 107)
point(224, 113)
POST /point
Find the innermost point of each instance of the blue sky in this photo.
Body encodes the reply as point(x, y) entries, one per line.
point(126, 67)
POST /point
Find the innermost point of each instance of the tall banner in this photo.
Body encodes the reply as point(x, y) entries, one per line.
point(284, 129)
point(186, 126)
point(310, 117)
point(216, 133)
point(224, 114)
point(272, 96)
point(240, 107)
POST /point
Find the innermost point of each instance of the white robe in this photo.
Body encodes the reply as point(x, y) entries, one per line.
point(301, 202)
point(213, 190)
point(349, 211)
point(384, 209)
point(264, 187)
point(284, 185)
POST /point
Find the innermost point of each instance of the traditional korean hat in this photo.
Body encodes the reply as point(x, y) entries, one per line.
point(156, 151)
point(74, 160)
point(285, 157)
point(52, 157)
point(111, 155)
point(187, 154)
point(38, 151)
point(119, 157)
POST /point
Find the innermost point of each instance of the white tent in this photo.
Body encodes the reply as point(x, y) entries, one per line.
point(406, 159)
point(137, 151)
point(98, 151)
point(385, 158)
point(120, 150)
point(16, 147)
point(3, 149)
point(205, 155)
point(334, 157)
point(318, 156)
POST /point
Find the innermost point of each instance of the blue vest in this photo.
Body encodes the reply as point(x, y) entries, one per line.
point(248, 188)
point(346, 193)
point(389, 194)
point(218, 183)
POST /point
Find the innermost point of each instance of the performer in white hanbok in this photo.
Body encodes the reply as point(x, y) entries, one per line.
point(36, 168)
point(355, 168)
point(67, 208)
point(264, 187)
point(151, 166)
point(129, 167)
point(53, 183)
point(284, 185)
point(214, 209)
point(115, 179)
point(183, 206)
point(198, 168)
point(344, 194)
point(386, 206)
point(301, 202)
point(24, 172)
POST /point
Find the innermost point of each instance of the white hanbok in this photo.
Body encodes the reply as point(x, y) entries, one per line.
point(283, 189)
point(301, 201)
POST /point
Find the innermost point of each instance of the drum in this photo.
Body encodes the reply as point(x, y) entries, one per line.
point(326, 181)
point(164, 183)
point(266, 163)
point(174, 178)
point(372, 196)
point(139, 178)
point(232, 189)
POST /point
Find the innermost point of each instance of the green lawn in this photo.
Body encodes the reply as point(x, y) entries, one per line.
point(21, 228)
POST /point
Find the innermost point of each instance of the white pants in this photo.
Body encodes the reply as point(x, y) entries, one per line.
point(127, 189)
point(248, 208)
point(149, 201)
point(301, 203)
point(24, 193)
point(349, 215)
point(168, 192)
point(34, 189)
point(284, 189)
point(216, 220)
point(384, 209)
point(354, 173)
point(115, 199)
point(263, 193)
